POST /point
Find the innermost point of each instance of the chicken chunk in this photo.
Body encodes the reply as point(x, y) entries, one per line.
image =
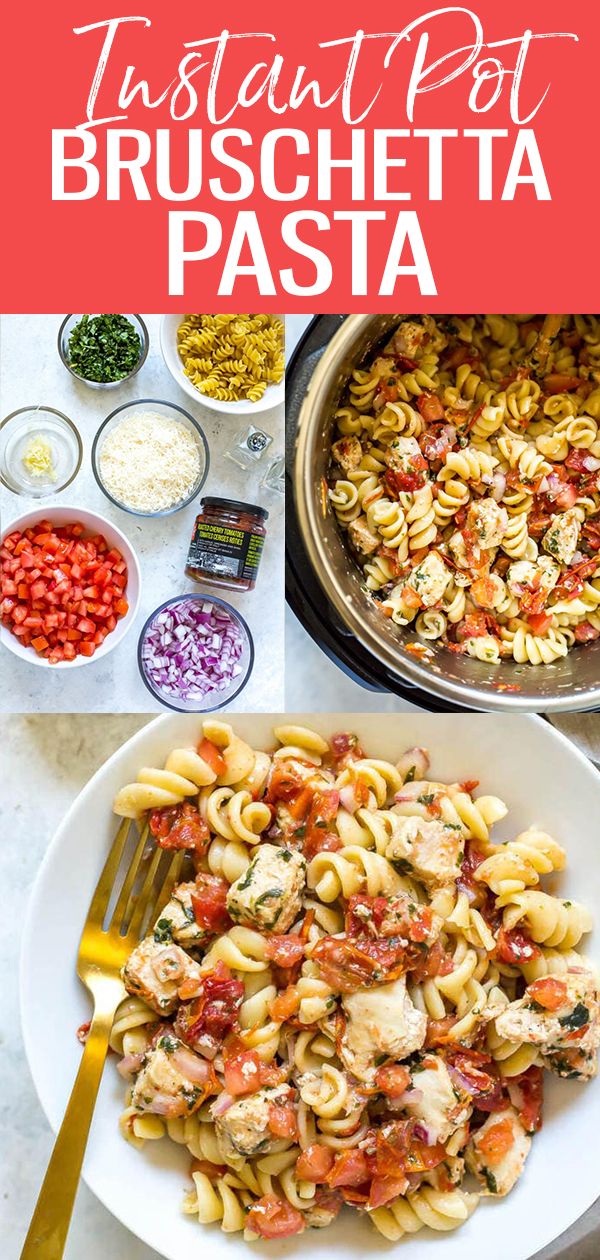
point(177, 922)
point(429, 849)
point(407, 338)
point(347, 452)
point(523, 575)
point(561, 539)
point(401, 454)
point(173, 1081)
point(380, 1022)
point(551, 1010)
point(442, 1107)
point(243, 1129)
point(488, 522)
point(156, 972)
point(362, 537)
point(429, 579)
point(497, 1152)
point(268, 894)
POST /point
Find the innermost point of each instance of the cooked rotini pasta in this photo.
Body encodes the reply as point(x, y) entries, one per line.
point(229, 357)
point(352, 997)
point(463, 448)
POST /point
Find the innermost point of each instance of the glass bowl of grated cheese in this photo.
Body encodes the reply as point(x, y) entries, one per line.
point(150, 457)
point(40, 451)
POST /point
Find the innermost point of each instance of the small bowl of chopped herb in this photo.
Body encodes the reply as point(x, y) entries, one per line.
point(103, 350)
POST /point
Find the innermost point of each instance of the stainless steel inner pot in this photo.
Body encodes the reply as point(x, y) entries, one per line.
point(569, 684)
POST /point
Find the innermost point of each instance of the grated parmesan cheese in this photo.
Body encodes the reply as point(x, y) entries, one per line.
point(149, 462)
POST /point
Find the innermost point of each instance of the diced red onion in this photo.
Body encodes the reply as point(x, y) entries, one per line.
point(498, 486)
point(590, 463)
point(222, 1103)
point(192, 649)
point(423, 1134)
point(348, 798)
point(416, 759)
point(130, 1064)
point(191, 1066)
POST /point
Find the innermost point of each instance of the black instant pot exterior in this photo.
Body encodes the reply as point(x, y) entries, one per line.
point(303, 590)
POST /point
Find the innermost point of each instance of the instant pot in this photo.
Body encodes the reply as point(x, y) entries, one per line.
point(324, 585)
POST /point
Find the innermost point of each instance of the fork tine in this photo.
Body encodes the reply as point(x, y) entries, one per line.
point(105, 884)
point(138, 905)
point(171, 877)
point(125, 893)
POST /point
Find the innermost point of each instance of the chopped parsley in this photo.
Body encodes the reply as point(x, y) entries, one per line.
point(163, 932)
point(578, 1018)
point(490, 1180)
point(104, 348)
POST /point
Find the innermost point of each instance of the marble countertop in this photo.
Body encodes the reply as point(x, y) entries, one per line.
point(58, 754)
point(31, 373)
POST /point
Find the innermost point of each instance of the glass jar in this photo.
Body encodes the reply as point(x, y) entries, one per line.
point(226, 544)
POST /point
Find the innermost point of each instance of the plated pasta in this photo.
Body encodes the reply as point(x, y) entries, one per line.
point(352, 995)
point(229, 357)
point(465, 473)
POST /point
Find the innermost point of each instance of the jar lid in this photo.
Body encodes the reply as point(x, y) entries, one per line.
point(235, 505)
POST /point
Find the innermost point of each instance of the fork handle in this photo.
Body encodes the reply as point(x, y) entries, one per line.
point(49, 1227)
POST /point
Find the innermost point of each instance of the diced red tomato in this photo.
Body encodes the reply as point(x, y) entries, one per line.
point(274, 1218)
point(209, 903)
point(527, 1095)
point(206, 1021)
point(384, 1189)
point(285, 784)
point(282, 1121)
point(318, 836)
point(548, 992)
point(285, 951)
point(285, 1004)
point(180, 827)
point(345, 748)
point(40, 576)
point(477, 624)
point(435, 961)
point(514, 946)
point(539, 622)
point(399, 480)
point(430, 407)
point(497, 1142)
point(475, 1072)
point(211, 755)
point(586, 633)
point(392, 1080)
point(315, 1163)
point(245, 1072)
point(212, 1171)
point(350, 1169)
point(348, 965)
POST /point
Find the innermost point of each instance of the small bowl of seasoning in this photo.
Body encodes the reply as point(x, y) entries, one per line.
point(150, 457)
point(227, 544)
point(40, 451)
point(103, 350)
point(195, 653)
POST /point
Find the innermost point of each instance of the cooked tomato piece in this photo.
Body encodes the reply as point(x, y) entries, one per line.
point(350, 1169)
point(274, 1218)
point(548, 992)
point(398, 480)
point(527, 1095)
point(586, 633)
point(315, 1163)
point(285, 951)
point(497, 1142)
point(466, 881)
point(209, 903)
point(559, 383)
point(205, 1022)
point(476, 1073)
point(514, 946)
point(392, 1080)
point(345, 749)
point(285, 1004)
point(180, 827)
point(212, 1171)
point(211, 755)
point(384, 1189)
point(435, 961)
point(283, 1121)
point(245, 1072)
point(477, 624)
point(430, 407)
point(284, 784)
point(539, 622)
point(318, 837)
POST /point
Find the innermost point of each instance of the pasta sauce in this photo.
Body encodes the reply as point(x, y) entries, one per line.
point(227, 543)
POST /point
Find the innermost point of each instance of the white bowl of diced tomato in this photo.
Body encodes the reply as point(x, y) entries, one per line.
point(69, 587)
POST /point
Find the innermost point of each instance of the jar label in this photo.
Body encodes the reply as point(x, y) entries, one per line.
point(224, 551)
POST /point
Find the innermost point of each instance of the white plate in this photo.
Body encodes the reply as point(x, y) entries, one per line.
point(544, 780)
point(94, 524)
point(272, 397)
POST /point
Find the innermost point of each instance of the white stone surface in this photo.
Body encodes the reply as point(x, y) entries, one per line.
point(47, 759)
point(31, 372)
point(312, 680)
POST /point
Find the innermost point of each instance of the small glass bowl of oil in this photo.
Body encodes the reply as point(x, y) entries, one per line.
point(40, 451)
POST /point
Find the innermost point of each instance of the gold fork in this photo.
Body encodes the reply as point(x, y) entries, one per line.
point(102, 952)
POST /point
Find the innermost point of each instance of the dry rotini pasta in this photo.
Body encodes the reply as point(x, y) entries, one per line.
point(353, 995)
point(463, 448)
point(231, 357)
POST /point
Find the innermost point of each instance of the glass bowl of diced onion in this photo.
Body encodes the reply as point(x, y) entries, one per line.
point(195, 653)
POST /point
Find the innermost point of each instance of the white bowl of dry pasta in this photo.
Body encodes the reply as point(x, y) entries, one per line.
point(229, 363)
point(382, 975)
